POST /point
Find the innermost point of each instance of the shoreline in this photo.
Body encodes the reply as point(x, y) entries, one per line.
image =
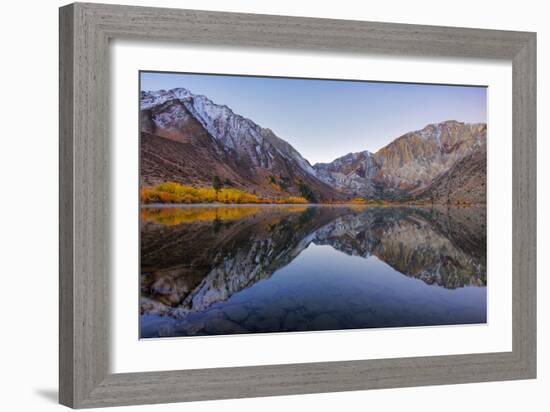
point(191, 205)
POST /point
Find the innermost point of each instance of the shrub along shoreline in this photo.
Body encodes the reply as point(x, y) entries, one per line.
point(175, 193)
point(171, 192)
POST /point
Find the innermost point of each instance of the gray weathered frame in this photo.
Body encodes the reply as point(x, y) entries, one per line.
point(85, 31)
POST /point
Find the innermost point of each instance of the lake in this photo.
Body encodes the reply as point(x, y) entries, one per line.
point(218, 270)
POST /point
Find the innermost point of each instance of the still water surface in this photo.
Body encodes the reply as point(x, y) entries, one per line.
point(214, 270)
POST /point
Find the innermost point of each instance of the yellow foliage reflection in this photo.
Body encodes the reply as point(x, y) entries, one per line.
point(171, 216)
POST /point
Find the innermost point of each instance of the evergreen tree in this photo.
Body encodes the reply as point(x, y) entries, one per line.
point(217, 183)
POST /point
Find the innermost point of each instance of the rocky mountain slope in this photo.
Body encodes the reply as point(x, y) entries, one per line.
point(353, 174)
point(188, 139)
point(408, 164)
point(464, 183)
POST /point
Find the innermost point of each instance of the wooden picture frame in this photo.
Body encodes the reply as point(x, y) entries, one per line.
point(85, 31)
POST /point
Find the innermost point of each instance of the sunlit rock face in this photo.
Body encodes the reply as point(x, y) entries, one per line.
point(411, 163)
point(196, 259)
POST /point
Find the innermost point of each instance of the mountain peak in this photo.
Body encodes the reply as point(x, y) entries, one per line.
point(253, 154)
point(409, 162)
point(181, 93)
point(256, 157)
point(347, 158)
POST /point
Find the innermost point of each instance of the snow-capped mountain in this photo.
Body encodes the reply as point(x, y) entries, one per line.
point(232, 147)
point(189, 139)
point(234, 132)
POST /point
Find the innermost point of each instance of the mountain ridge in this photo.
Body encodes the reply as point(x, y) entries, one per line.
point(208, 140)
point(259, 160)
point(408, 163)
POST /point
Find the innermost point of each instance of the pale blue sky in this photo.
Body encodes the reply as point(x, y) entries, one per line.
point(325, 119)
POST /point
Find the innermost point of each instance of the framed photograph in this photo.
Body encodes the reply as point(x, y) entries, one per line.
point(256, 205)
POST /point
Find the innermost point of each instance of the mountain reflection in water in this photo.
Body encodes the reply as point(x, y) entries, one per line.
point(213, 270)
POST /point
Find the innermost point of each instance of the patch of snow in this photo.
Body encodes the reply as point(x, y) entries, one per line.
point(231, 130)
